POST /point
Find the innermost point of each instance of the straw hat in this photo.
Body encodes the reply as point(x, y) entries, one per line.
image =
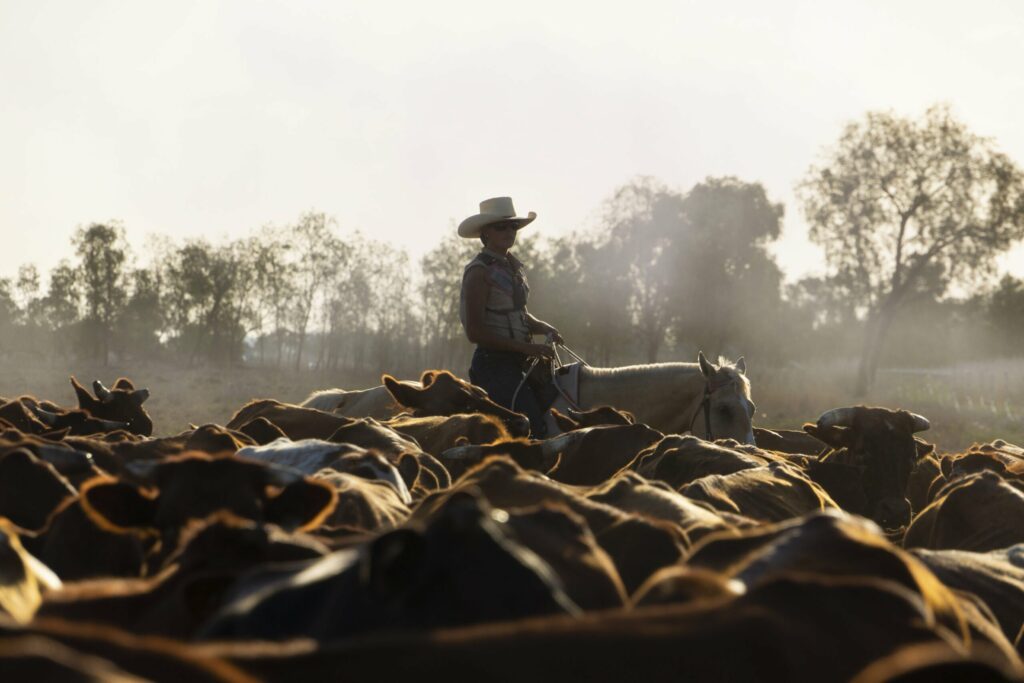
point(494, 210)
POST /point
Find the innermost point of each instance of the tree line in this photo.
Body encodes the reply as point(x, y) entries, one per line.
point(911, 215)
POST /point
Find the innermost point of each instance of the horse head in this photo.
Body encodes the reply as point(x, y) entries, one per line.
point(726, 411)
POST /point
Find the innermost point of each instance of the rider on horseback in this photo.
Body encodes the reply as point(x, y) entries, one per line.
point(493, 313)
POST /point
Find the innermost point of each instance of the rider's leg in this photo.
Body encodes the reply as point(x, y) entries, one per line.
point(499, 374)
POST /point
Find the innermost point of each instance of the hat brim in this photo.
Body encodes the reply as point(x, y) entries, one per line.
point(472, 226)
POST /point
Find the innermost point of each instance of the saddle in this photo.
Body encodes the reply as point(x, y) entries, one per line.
point(548, 383)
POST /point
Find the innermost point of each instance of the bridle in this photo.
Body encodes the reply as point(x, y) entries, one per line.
point(705, 405)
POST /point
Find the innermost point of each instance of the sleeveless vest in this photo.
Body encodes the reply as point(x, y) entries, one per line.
point(505, 313)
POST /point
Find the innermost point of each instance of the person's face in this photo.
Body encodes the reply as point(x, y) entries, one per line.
point(500, 235)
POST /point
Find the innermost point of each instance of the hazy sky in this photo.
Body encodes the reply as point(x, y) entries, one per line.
point(213, 118)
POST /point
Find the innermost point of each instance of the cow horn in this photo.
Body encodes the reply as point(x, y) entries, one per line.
point(51, 418)
point(837, 417)
point(102, 393)
point(112, 425)
point(921, 423)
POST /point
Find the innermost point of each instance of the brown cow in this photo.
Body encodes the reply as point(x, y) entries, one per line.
point(123, 403)
point(30, 489)
point(75, 547)
point(638, 546)
point(795, 628)
point(978, 512)
point(463, 566)
point(630, 492)
point(601, 416)
point(787, 441)
point(562, 538)
point(213, 553)
point(443, 393)
point(363, 504)
point(996, 577)
point(296, 422)
point(679, 460)
point(584, 457)
point(165, 495)
point(879, 445)
point(770, 494)
point(437, 433)
point(837, 544)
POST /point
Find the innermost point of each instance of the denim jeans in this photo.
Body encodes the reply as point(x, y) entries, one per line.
point(499, 373)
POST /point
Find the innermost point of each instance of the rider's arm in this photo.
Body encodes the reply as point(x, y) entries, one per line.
point(477, 288)
point(538, 326)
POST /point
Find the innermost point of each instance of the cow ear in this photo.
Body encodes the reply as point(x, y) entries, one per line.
point(924, 449)
point(833, 437)
point(302, 505)
point(428, 377)
point(565, 423)
point(946, 466)
point(118, 506)
point(741, 365)
point(391, 563)
point(124, 383)
point(139, 396)
point(403, 393)
point(409, 469)
point(85, 399)
point(262, 431)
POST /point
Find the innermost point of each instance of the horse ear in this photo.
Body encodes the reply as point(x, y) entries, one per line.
point(741, 365)
point(706, 367)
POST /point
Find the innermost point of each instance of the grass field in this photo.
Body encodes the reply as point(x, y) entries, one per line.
point(971, 402)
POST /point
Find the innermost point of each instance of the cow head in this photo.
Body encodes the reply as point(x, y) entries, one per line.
point(76, 422)
point(123, 403)
point(445, 394)
point(878, 444)
point(729, 406)
point(163, 496)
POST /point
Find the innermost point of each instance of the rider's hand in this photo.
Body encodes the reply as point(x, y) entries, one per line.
point(553, 334)
point(542, 350)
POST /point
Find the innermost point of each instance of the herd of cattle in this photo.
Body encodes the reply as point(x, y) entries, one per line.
point(293, 543)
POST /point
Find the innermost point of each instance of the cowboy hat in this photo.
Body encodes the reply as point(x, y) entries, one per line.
point(494, 210)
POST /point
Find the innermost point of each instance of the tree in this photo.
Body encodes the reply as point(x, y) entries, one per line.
point(318, 255)
point(1006, 313)
point(272, 287)
point(60, 305)
point(440, 290)
point(899, 205)
point(8, 313)
point(726, 285)
point(142, 319)
point(102, 253)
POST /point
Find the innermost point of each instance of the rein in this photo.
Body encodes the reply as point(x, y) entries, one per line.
point(705, 405)
point(556, 364)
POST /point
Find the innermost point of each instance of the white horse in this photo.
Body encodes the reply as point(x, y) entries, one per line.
point(670, 397)
point(712, 401)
